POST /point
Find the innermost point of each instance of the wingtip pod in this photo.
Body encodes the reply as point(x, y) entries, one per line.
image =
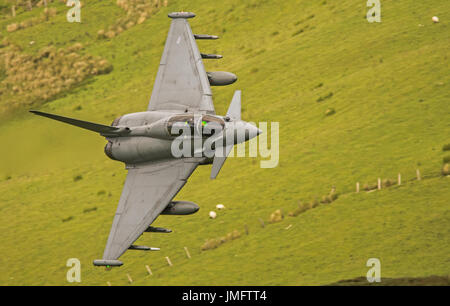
point(181, 15)
point(108, 262)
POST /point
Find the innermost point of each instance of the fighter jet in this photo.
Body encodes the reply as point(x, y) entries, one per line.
point(180, 108)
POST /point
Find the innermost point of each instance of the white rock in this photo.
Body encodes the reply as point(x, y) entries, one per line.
point(220, 206)
point(435, 19)
point(212, 214)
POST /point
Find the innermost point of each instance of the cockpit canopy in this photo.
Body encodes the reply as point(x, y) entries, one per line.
point(204, 125)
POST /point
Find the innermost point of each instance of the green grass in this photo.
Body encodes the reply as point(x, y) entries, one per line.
point(390, 91)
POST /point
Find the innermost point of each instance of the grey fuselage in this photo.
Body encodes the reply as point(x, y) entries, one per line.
point(149, 137)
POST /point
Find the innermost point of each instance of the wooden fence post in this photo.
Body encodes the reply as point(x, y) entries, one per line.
point(418, 174)
point(262, 222)
point(129, 278)
point(379, 184)
point(148, 270)
point(187, 252)
point(399, 179)
point(357, 187)
point(168, 261)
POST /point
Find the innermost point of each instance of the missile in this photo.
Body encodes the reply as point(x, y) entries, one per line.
point(108, 262)
point(205, 36)
point(142, 248)
point(158, 230)
point(211, 56)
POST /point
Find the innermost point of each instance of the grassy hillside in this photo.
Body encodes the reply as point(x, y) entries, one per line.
point(388, 84)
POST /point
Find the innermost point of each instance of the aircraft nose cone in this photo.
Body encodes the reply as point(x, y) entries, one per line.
point(253, 131)
point(242, 131)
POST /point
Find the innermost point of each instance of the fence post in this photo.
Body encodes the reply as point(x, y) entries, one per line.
point(187, 252)
point(418, 174)
point(357, 187)
point(262, 222)
point(148, 270)
point(399, 179)
point(168, 261)
point(129, 278)
point(379, 184)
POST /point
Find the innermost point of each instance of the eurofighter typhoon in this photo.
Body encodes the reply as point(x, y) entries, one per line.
point(161, 147)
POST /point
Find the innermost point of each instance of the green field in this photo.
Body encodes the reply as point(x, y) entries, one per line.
point(388, 83)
